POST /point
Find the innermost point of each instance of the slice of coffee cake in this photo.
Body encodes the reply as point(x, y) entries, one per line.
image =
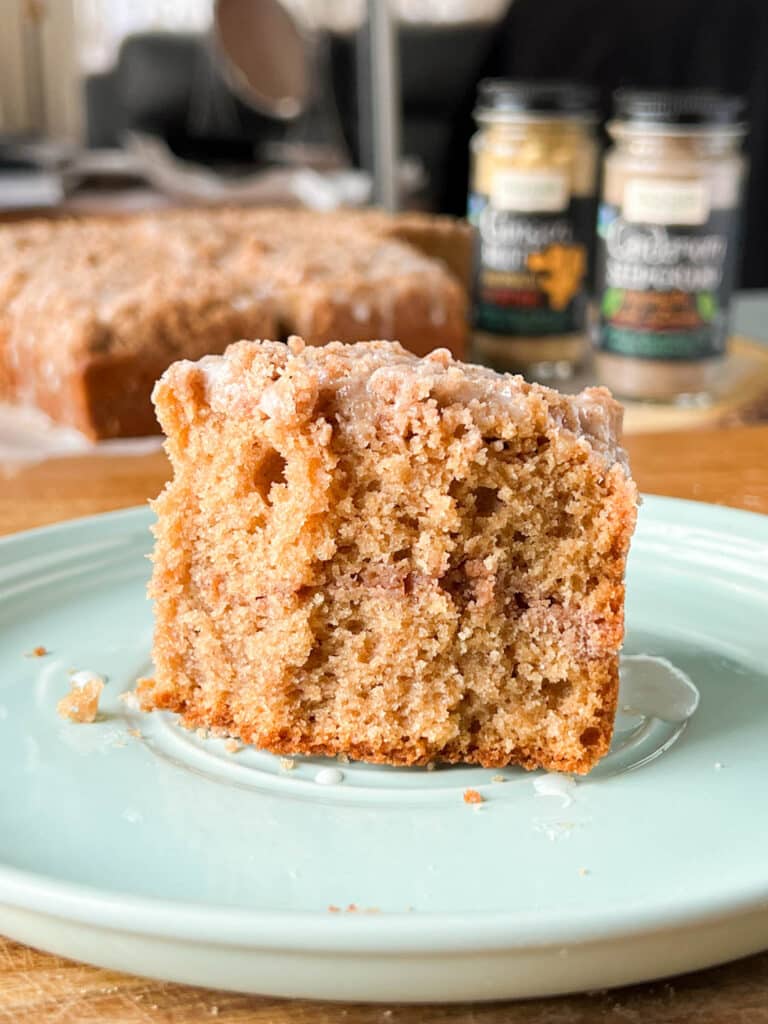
point(404, 560)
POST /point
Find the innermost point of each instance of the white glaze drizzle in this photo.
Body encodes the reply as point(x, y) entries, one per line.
point(555, 784)
point(652, 687)
point(329, 777)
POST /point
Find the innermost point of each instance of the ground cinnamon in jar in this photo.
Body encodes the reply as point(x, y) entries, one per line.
point(532, 202)
point(667, 243)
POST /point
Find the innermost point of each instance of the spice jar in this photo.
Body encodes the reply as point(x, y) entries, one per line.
point(667, 242)
point(532, 201)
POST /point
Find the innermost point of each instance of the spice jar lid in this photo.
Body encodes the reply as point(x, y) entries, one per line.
point(512, 98)
point(689, 107)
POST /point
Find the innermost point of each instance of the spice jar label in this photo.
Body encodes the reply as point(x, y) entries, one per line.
point(666, 202)
point(531, 264)
point(665, 286)
point(530, 191)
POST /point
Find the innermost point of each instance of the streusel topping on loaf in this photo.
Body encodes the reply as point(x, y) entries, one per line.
point(92, 311)
point(398, 559)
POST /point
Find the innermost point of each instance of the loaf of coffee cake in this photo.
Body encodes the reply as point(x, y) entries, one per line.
point(92, 311)
point(397, 559)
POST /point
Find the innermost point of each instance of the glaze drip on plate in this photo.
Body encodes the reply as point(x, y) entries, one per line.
point(653, 687)
point(656, 702)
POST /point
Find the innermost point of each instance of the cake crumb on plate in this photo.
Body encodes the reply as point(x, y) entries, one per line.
point(471, 796)
point(81, 704)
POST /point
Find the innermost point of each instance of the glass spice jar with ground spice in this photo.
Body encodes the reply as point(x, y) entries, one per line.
point(532, 201)
point(667, 243)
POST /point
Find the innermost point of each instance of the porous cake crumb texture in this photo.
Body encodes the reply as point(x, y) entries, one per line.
point(404, 560)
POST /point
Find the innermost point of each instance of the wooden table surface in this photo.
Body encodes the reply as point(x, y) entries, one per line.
point(729, 467)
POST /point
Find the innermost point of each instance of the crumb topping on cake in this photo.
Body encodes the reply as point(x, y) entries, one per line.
point(93, 310)
point(375, 371)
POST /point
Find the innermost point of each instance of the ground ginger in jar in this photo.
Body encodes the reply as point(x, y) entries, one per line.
point(532, 202)
point(667, 243)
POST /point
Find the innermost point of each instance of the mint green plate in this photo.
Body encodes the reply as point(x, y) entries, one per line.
point(166, 855)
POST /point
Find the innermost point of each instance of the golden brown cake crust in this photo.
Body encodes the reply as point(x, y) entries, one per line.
point(402, 560)
point(94, 310)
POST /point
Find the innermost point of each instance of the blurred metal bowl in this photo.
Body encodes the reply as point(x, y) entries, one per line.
point(264, 56)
